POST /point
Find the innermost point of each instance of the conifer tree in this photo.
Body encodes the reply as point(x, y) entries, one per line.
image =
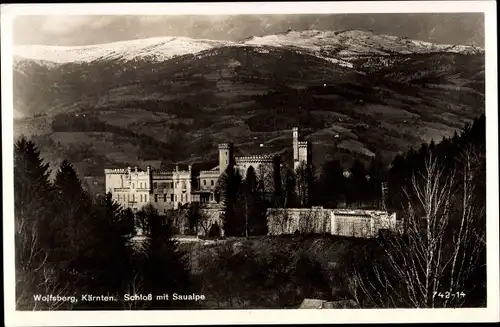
point(33, 212)
point(230, 184)
point(127, 222)
point(93, 248)
point(377, 174)
point(304, 178)
point(290, 190)
point(162, 266)
point(254, 206)
point(358, 183)
point(110, 232)
point(332, 184)
point(71, 224)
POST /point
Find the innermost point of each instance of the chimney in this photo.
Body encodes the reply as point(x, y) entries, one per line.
point(136, 169)
point(176, 168)
point(129, 170)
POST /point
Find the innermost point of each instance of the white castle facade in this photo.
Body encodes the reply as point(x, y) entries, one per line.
point(134, 187)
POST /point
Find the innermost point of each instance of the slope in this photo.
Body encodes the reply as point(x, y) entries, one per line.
point(177, 110)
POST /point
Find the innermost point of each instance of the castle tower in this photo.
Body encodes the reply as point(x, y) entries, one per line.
point(225, 156)
point(150, 179)
point(295, 132)
point(301, 150)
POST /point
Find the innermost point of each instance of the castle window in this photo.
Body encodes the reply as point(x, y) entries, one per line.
point(164, 198)
point(204, 182)
point(155, 185)
point(140, 198)
point(156, 197)
point(133, 197)
point(171, 198)
point(175, 197)
point(171, 184)
point(212, 182)
point(182, 197)
point(133, 185)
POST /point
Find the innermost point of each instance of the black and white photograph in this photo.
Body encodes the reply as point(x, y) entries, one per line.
point(250, 160)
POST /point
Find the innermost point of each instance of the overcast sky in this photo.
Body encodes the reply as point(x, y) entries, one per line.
point(452, 28)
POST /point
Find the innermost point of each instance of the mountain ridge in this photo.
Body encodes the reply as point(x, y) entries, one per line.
point(112, 112)
point(330, 44)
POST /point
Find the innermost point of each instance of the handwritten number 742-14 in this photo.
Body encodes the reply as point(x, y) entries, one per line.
point(448, 295)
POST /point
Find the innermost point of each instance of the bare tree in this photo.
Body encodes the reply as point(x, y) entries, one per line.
point(431, 263)
point(34, 273)
point(134, 286)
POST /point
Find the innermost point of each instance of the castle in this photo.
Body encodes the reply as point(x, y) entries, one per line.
point(134, 188)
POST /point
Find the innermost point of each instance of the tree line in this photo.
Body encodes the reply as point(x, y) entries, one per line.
point(438, 258)
point(69, 243)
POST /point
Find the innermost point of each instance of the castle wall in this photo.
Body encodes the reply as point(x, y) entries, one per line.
point(305, 220)
point(354, 223)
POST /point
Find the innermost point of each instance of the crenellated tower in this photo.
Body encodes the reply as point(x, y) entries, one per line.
point(301, 150)
point(226, 156)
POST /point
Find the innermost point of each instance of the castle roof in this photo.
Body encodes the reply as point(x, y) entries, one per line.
point(205, 165)
point(171, 166)
point(155, 164)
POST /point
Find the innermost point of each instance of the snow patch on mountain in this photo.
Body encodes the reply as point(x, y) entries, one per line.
point(351, 43)
point(157, 49)
point(338, 47)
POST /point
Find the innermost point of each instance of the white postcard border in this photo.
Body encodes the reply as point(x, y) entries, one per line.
point(185, 317)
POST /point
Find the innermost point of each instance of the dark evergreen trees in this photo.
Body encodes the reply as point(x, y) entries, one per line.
point(304, 181)
point(447, 151)
point(66, 242)
point(332, 184)
point(357, 184)
point(162, 267)
point(93, 243)
point(254, 205)
point(377, 173)
point(230, 186)
point(439, 189)
point(110, 231)
point(33, 214)
point(289, 190)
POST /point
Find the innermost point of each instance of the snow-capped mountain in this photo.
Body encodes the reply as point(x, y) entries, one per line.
point(156, 49)
point(340, 47)
point(170, 98)
point(349, 44)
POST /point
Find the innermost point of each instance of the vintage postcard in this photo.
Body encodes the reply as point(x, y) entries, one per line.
point(221, 162)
